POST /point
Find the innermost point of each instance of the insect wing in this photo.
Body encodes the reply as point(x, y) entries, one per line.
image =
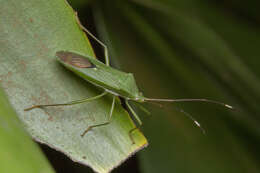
point(75, 60)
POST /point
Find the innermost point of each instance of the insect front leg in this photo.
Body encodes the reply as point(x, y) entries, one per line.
point(67, 104)
point(130, 133)
point(102, 124)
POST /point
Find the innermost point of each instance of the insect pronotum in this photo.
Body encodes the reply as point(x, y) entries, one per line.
point(112, 81)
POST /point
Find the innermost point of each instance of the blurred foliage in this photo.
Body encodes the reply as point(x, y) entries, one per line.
point(17, 152)
point(189, 49)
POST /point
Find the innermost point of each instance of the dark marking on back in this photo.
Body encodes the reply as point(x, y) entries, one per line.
point(74, 59)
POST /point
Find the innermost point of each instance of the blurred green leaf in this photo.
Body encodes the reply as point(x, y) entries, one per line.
point(17, 151)
point(31, 32)
point(188, 49)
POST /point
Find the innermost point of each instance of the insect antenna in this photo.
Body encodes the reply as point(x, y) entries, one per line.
point(151, 100)
point(156, 104)
point(190, 100)
point(191, 118)
point(185, 113)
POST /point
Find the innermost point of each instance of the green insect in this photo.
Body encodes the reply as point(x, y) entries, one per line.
point(112, 81)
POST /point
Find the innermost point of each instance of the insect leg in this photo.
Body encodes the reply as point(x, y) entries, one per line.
point(69, 103)
point(137, 119)
point(102, 124)
point(95, 38)
point(143, 109)
point(133, 112)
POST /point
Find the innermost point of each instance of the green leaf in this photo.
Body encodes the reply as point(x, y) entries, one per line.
point(32, 31)
point(17, 151)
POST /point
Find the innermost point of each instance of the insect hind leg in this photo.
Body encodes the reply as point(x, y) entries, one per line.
point(95, 38)
point(102, 124)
